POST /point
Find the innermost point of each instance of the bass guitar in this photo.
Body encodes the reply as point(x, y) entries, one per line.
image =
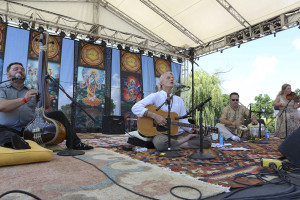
point(148, 126)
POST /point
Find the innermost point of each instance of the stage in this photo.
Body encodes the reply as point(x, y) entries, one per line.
point(142, 172)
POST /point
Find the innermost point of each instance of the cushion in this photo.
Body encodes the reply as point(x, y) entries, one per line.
point(37, 153)
point(137, 135)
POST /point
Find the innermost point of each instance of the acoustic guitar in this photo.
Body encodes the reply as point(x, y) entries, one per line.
point(148, 126)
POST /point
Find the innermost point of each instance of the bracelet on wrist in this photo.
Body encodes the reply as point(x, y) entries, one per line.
point(146, 114)
point(230, 123)
point(23, 98)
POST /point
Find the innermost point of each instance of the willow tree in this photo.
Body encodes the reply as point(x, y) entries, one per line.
point(206, 86)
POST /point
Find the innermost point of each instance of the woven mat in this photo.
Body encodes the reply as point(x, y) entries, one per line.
point(69, 178)
point(223, 170)
point(98, 140)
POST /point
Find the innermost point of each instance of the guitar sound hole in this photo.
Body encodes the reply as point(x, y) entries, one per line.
point(159, 128)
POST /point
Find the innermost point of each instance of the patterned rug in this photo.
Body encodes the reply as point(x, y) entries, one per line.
point(67, 178)
point(230, 168)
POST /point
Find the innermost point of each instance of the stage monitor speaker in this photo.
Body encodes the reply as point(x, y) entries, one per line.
point(113, 125)
point(290, 147)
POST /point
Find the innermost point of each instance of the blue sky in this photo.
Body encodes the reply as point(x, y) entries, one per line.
point(258, 67)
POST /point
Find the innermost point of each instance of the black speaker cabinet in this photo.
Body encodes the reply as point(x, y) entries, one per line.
point(290, 147)
point(113, 125)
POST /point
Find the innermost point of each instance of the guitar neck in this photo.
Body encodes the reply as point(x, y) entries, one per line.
point(184, 124)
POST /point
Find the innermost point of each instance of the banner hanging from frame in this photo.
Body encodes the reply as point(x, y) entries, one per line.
point(131, 85)
point(90, 91)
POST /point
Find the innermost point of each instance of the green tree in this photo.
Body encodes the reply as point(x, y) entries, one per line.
point(264, 104)
point(207, 86)
point(297, 91)
point(225, 98)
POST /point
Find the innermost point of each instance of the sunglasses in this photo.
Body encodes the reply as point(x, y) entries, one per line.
point(234, 99)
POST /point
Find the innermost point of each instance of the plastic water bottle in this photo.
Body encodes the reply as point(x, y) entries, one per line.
point(267, 135)
point(221, 138)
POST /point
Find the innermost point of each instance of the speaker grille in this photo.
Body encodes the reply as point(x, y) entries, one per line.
point(290, 147)
point(113, 125)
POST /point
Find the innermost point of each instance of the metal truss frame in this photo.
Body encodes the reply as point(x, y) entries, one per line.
point(172, 21)
point(87, 31)
point(268, 27)
point(233, 12)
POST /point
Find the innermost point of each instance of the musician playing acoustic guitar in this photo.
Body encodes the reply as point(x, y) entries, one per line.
point(185, 137)
point(17, 109)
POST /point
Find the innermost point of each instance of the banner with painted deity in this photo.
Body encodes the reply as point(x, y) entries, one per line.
point(131, 85)
point(3, 28)
point(90, 91)
point(54, 59)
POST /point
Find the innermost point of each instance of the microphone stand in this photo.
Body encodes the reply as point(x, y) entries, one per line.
point(12, 79)
point(200, 155)
point(169, 153)
point(284, 110)
point(70, 151)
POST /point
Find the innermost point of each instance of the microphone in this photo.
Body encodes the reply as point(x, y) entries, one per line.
point(179, 86)
point(17, 77)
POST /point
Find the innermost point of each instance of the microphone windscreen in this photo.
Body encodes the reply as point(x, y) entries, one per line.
point(18, 76)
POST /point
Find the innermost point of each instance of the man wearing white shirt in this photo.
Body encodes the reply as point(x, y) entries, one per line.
point(185, 137)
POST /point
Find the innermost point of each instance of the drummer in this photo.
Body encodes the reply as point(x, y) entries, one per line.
point(233, 117)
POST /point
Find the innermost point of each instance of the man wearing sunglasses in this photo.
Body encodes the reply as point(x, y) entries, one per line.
point(233, 116)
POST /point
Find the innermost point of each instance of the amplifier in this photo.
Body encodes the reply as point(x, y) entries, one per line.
point(113, 125)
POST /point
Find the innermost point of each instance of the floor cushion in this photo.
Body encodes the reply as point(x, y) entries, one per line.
point(37, 153)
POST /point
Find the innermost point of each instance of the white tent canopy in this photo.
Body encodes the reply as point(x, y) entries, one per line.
point(170, 27)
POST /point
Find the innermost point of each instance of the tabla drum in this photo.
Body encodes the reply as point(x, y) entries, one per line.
point(254, 131)
point(242, 131)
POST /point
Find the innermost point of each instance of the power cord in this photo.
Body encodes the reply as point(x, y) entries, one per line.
point(284, 178)
point(20, 191)
point(171, 190)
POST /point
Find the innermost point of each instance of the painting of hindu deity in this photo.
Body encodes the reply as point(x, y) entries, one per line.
point(91, 93)
point(131, 88)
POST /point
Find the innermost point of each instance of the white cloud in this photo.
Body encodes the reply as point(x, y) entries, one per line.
point(296, 43)
point(63, 99)
point(251, 84)
point(115, 81)
point(263, 66)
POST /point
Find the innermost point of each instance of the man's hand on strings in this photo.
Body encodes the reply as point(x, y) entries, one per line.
point(160, 120)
